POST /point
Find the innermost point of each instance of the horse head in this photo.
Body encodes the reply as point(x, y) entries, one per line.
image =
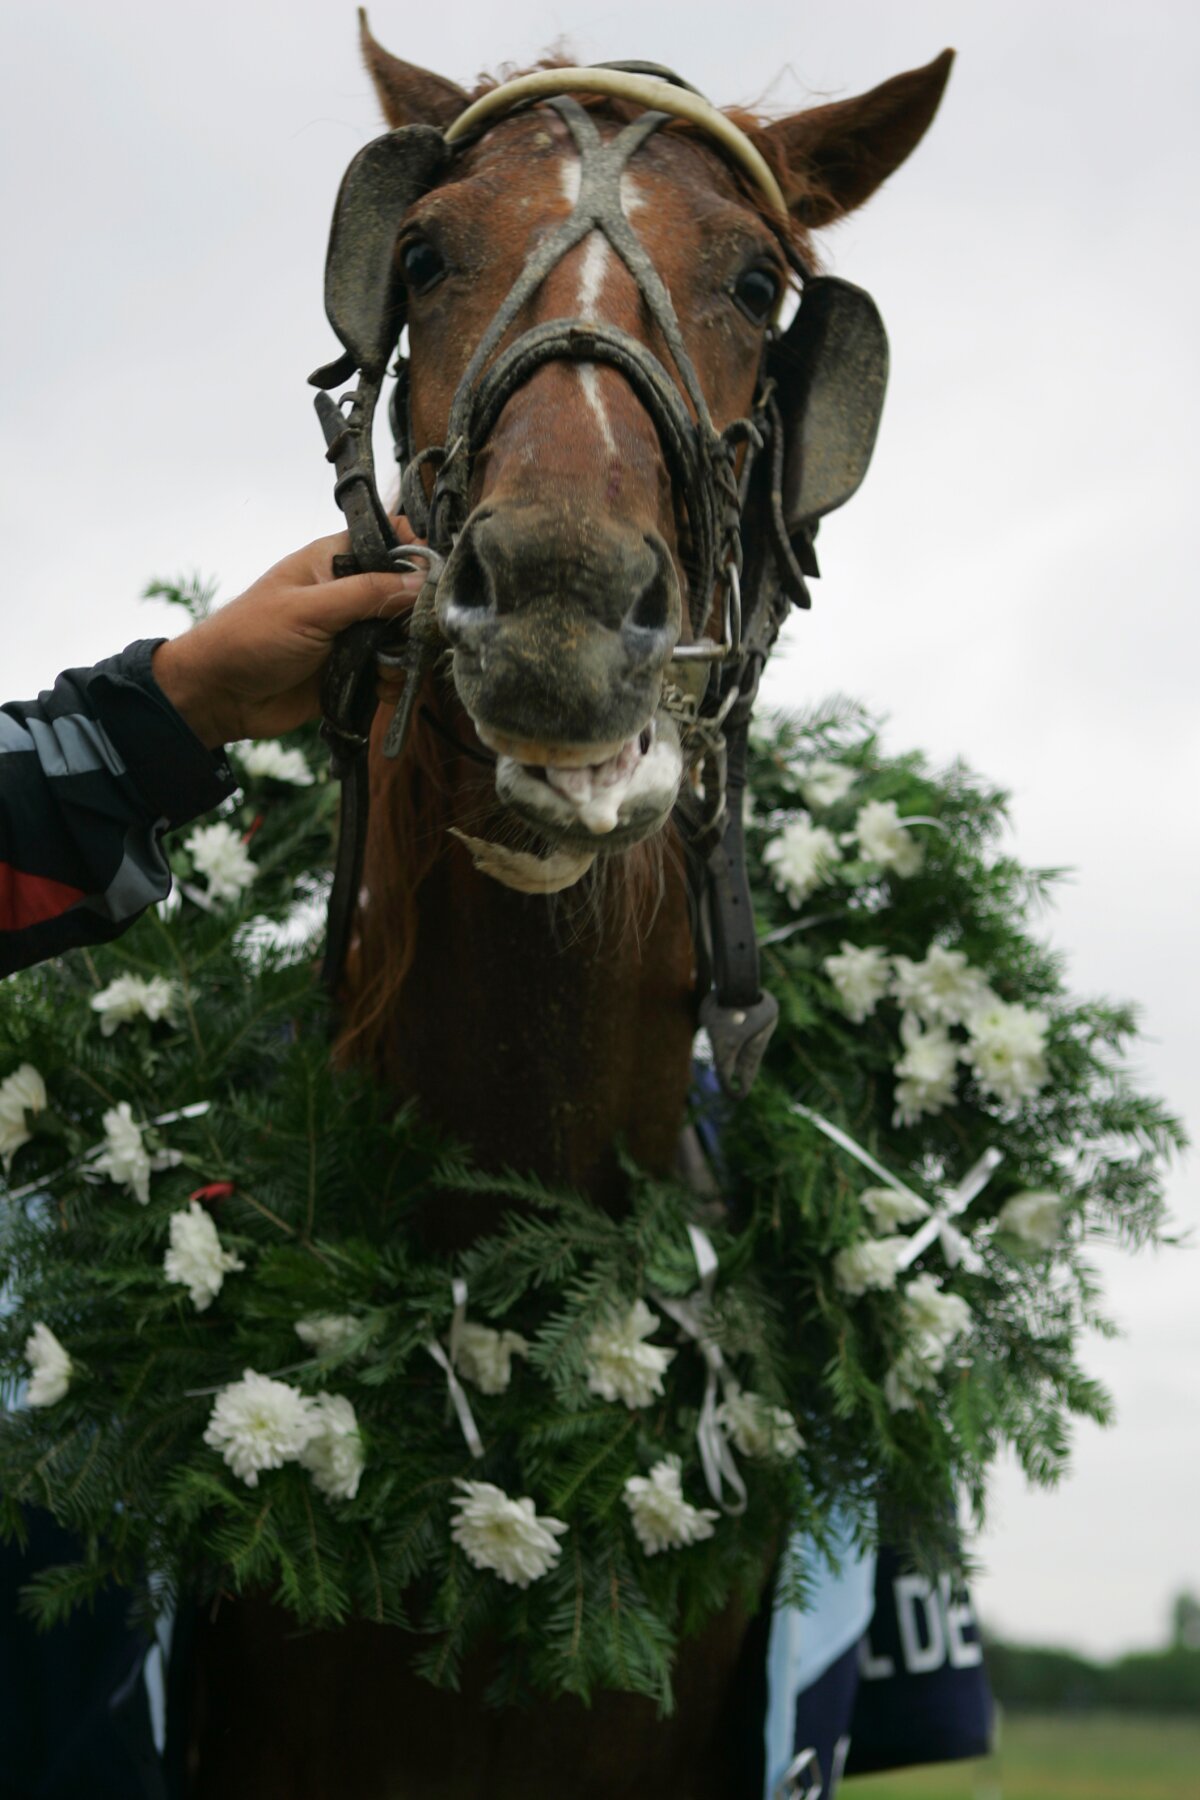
point(589, 298)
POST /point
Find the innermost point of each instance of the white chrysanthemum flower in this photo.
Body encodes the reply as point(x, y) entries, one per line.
point(620, 1364)
point(132, 996)
point(484, 1357)
point(50, 1367)
point(220, 856)
point(506, 1535)
point(934, 1320)
point(933, 1315)
point(1036, 1218)
point(195, 1259)
point(803, 858)
point(258, 1423)
point(926, 1072)
point(943, 989)
point(861, 978)
point(910, 1375)
point(874, 1263)
point(333, 1454)
point(1007, 1050)
point(662, 1518)
point(759, 1430)
point(824, 783)
point(889, 1208)
point(21, 1093)
point(268, 759)
point(883, 839)
point(125, 1158)
point(327, 1333)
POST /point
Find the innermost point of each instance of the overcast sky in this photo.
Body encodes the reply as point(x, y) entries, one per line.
point(1014, 584)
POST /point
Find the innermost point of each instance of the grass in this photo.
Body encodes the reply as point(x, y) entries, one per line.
point(1080, 1756)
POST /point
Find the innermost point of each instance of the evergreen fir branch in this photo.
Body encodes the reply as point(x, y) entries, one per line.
point(309, 1150)
point(191, 592)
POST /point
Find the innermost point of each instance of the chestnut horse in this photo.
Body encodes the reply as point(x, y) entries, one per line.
point(545, 1029)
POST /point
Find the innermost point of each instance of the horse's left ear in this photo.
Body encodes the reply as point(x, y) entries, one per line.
point(408, 95)
point(837, 155)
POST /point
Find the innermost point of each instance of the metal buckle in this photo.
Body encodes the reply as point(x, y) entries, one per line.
point(707, 649)
point(806, 1767)
point(739, 1036)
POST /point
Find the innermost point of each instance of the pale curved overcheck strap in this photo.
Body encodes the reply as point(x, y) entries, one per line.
point(644, 90)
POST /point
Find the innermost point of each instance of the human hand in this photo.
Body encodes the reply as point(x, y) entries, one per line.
point(253, 669)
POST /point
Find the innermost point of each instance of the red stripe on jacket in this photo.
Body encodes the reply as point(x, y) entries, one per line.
point(29, 899)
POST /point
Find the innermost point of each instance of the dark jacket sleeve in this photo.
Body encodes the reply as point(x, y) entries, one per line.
point(91, 775)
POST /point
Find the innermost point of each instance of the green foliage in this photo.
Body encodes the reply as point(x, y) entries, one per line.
point(317, 1182)
point(1030, 1679)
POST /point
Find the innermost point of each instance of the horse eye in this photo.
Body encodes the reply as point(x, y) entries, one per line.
point(756, 292)
point(423, 267)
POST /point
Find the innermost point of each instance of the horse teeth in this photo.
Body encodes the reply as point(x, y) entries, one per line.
point(597, 790)
point(576, 784)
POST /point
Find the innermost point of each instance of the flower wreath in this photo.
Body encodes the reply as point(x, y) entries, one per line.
point(242, 1371)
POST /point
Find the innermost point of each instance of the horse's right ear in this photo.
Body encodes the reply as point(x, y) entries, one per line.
point(408, 95)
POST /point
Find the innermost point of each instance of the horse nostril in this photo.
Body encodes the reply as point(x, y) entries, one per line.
point(651, 624)
point(466, 597)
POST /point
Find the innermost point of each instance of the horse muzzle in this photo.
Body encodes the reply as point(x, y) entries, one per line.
point(562, 624)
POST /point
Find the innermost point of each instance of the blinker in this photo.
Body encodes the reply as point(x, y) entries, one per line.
point(830, 370)
point(364, 295)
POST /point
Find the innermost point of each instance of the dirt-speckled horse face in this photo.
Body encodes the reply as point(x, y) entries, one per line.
point(568, 587)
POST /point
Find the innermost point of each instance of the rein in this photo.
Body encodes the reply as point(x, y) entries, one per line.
point(712, 701)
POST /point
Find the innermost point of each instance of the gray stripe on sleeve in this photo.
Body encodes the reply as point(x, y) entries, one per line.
point(74, 745)
point(13, 735)
point(143, 876)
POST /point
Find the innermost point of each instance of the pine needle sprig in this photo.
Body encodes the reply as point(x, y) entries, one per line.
point(315, 1182)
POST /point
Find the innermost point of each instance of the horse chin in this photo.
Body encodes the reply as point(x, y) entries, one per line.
point(582, 803)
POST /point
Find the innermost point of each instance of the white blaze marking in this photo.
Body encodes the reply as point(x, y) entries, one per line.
point(597, 257)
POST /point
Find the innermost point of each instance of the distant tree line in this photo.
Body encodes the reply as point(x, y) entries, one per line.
point(1156, 1681)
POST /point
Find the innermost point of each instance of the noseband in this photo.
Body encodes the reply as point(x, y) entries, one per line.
point(711, 705)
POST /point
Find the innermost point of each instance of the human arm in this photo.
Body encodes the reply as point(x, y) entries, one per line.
point(96, 769)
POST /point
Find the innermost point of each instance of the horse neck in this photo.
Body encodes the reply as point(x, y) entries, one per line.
point(545, 1032)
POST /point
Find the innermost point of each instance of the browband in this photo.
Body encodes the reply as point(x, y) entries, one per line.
point(644, 90)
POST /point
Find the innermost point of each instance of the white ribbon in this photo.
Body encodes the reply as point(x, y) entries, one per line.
point(955, 1247)
point(196, 1110)
point(462, 1405)
point(783, 932)
point(846, 1142)
point(693, 1316)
